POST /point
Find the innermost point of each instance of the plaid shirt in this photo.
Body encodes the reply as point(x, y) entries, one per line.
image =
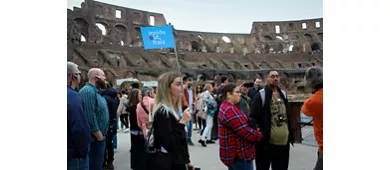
point(236, 138)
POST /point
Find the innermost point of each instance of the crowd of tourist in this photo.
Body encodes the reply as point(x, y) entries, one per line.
point(250, 122)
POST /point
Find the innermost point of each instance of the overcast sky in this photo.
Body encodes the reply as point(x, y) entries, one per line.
point(226, 16)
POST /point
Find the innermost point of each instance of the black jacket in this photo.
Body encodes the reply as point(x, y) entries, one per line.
point(252, 92)
point(261, 116)
point(112, 102)
point(171, 135)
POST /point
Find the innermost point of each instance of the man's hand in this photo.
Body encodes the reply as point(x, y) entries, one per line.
point(99, 136)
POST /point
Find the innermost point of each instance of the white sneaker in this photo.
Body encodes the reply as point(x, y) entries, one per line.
point(126, 130)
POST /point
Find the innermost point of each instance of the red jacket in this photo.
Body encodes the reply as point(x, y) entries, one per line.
point(235, 135)
point(186, 96)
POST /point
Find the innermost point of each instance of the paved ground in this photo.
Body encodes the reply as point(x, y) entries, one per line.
point(302, 157)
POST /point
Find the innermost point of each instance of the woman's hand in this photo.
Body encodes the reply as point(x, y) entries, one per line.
point(191, 166)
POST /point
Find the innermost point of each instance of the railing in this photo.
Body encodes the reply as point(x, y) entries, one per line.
point(297, 123)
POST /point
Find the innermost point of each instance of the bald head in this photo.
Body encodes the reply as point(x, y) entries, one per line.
point(96, 74)
point(92, 73)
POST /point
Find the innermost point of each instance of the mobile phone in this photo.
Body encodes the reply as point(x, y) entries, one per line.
point(197, 168)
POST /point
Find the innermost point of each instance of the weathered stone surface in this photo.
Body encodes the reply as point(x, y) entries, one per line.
point(119, 52)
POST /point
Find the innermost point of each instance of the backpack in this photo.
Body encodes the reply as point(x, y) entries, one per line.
point(262, 96)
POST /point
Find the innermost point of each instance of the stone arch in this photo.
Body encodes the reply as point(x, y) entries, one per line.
point(195, 46)
point(320, 36)
point(268, 38)
point(83, 26)
point(121, 27)
point(103, 26)
point(308, 37)
point(137, 41)
point(315, 47)
point(266, 48)
point(278, 47)
point(110, 76)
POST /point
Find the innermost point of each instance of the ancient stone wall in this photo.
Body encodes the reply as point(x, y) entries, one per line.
point(108, 36)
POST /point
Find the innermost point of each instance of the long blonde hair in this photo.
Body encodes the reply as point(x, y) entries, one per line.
point(164, 97)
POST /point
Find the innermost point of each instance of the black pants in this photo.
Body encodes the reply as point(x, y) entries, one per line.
point(203, 122)
point(274, 155)
point(109, 154)
point(125, 120)
point(137, 149)
point(179, 167)
point(214, 130)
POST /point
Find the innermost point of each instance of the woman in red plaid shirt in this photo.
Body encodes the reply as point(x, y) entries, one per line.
point(236, 139)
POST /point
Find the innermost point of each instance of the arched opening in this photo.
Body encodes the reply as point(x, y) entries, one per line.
point(266, 48)
point(279, 37)
point(278, 47)
point(204, 65)
point(102, 27)
point(315, 47)
point(83, 25)
point(82, 39)
point(320, 36)
point(195, 46)
point(121, 28)
point(226, 39)
point(290, 48)
point(137, 32)
point(151, 20)
point(268, 38)
point(308, 37)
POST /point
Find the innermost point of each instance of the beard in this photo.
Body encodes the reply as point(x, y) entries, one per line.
point(101, 84)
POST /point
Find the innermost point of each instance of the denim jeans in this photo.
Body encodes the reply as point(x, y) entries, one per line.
point(115, 141)
point(79, 164)
point(189, 129)
point(96, 154)
point(241, 165)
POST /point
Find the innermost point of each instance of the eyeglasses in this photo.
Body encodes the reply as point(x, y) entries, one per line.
point(78, 74)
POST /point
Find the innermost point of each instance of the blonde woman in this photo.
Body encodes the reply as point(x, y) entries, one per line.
point(210, 108)
point(168, 128)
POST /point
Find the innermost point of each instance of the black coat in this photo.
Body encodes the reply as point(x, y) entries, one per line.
point(112, 102)
point(261, 116)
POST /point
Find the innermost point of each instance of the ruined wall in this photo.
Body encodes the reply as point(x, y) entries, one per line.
point(303, 35)
point(118, 50)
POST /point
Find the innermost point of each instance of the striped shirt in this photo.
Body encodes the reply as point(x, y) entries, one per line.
point(236, 138)
point(96, 109)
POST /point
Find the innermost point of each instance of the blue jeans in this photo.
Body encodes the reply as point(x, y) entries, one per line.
point(79, 164)
point(241, 165)
point(115, 141)
point(96, 154)
point(189, 129)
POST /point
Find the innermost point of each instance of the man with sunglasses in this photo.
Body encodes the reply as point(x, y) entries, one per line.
point(79, 134)
point(270, 113)
point(96, 111)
